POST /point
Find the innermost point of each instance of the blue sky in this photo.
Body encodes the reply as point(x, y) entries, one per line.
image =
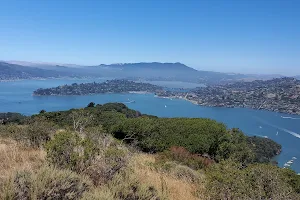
point(255, 36)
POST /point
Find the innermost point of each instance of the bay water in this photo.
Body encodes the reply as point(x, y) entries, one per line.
point(16, 96)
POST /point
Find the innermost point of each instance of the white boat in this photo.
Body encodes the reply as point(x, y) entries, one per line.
point(265, 136)
point(286, 165)
point(290, 162)
point(165, 106)
point(294, 158)
point(260, 126)
point(277, 133)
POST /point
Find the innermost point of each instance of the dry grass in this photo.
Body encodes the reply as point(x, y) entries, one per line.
point(15, 157)
point(166, 184)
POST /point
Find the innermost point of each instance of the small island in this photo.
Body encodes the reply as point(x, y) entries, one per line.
point(110, 86)
point(278, 95)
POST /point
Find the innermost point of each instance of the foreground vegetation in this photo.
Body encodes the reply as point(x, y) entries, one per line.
point(112, 152)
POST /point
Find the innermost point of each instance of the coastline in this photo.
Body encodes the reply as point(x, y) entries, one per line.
point(196, 103)
point(91, 94)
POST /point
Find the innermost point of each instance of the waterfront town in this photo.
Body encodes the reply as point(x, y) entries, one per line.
point(278, 95)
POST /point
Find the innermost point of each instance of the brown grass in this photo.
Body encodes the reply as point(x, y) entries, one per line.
point(15, 157)
point(166, 184)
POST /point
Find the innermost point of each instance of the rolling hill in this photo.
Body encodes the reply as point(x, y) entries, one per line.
point(150, 71)
point(13, 72)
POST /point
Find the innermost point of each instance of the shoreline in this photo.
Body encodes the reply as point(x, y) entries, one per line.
point(196, 103)
point(91, 94)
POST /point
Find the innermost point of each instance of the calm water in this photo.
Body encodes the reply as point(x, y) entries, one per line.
point(17, 97)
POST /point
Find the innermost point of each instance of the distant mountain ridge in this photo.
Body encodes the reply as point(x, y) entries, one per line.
point(13, 72)
point(151, 71)
point(150, 65)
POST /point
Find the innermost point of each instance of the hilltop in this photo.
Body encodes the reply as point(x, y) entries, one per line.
point(112, 152)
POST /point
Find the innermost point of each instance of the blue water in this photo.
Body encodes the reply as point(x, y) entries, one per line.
point(17, 97)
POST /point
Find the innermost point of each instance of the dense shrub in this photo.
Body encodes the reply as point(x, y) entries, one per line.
point(104, 167)
point(152, 134)
point(107, 115)
point(10, 117)
point(264, 148)
point(233, 145)
point(197, 135)
point(46, 183)
point(36, 133)
point(229, 180)
point(69, 151)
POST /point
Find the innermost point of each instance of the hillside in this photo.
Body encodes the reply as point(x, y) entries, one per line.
point(166, 72)
point(143, 71)
point(15, 72)
point(109, 86)
point(110, 152)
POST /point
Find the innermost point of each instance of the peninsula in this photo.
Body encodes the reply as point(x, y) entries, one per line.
point(110, 86)
point(278, 95)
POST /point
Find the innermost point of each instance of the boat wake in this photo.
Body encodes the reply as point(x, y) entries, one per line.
point(289, 118)
point(280, 128)
point(291, 132)
point(129, 102)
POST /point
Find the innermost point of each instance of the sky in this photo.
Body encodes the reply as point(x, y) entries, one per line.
point(241, 36)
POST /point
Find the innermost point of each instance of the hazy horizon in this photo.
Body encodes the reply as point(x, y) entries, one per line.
point(23, 63)
point(248, 37)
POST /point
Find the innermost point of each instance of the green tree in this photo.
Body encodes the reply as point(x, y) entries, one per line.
point(91, 105)
point(42, 111)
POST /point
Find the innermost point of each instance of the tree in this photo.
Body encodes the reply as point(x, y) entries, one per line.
point(81, 119)
point(91, 105)
point(42, 111)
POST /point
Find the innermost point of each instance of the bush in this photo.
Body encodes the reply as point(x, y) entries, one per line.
point(230, 180)
point(69, 151)
point(125, 186)
point(47, 183)
point(38, 132)
point(186, 173)
point(105, 166)
point(9, 117)
point(183, 156)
